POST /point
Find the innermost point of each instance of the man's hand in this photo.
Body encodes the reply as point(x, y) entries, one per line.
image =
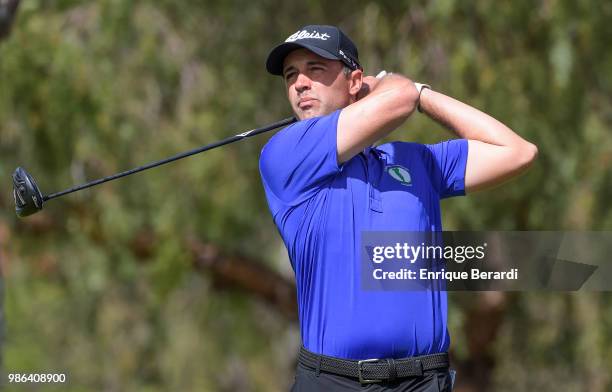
point(368, 84)
point(383, 104)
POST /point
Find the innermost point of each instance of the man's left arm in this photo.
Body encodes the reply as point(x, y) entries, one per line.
point(495, 152)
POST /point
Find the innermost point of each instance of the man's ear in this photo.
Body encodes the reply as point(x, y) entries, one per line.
point(355, 82)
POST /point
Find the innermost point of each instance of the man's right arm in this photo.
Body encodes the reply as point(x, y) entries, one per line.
point(300, 159)
point(388, 103)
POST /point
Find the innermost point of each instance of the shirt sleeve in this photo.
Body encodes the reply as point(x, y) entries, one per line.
point(450, 159)
point(301, 159)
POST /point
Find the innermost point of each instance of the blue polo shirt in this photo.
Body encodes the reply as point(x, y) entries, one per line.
point(321, 208)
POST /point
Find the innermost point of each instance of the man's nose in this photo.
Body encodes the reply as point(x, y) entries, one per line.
point(302, 82)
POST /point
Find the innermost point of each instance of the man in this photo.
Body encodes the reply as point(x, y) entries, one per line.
point(325, 184)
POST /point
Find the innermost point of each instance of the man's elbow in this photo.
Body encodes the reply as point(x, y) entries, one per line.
point(526, 155)
point(401, 97)
point(408, 95)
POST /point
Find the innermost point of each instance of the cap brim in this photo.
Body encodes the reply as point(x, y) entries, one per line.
point(276, 58)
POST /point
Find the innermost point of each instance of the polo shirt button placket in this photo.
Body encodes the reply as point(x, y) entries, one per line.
point(373, 178)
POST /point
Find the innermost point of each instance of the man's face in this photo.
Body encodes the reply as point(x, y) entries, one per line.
point(316, 86)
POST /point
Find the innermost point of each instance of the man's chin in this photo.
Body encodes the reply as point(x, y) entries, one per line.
point(310, 113)
point(307, 115)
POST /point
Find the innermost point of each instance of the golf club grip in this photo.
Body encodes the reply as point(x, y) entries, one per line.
point(173, 158)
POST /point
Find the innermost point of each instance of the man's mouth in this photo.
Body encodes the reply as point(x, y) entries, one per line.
point(305, 102)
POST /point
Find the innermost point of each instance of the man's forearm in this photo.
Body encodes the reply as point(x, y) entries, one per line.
point(496, 153)
point(466, 121)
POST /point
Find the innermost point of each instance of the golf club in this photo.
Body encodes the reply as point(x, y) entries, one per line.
point(29, 199)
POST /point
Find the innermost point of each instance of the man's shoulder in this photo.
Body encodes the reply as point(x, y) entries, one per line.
point(293, 133)
point(289, 131)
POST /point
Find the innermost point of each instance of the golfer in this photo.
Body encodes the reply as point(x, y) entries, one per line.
point(326, 182)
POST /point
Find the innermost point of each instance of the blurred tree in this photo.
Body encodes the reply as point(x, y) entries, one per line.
point(8, 9)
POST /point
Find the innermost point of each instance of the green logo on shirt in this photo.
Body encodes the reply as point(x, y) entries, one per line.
point(400, 173)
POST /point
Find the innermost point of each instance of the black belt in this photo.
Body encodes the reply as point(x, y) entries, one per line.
point(370, 371)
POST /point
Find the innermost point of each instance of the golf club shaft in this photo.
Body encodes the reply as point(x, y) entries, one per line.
point(173, 158)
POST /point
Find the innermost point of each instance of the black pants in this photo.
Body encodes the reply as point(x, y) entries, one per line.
point(306, 380)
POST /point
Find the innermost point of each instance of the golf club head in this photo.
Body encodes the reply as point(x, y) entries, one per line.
point(28, 198)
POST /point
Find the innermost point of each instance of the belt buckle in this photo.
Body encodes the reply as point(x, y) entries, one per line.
point(419, 367)
point(359, 370)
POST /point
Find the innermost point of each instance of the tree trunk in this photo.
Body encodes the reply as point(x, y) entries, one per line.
point(8, 9)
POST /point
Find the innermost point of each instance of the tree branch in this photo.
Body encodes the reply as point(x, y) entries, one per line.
point(251, 276)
